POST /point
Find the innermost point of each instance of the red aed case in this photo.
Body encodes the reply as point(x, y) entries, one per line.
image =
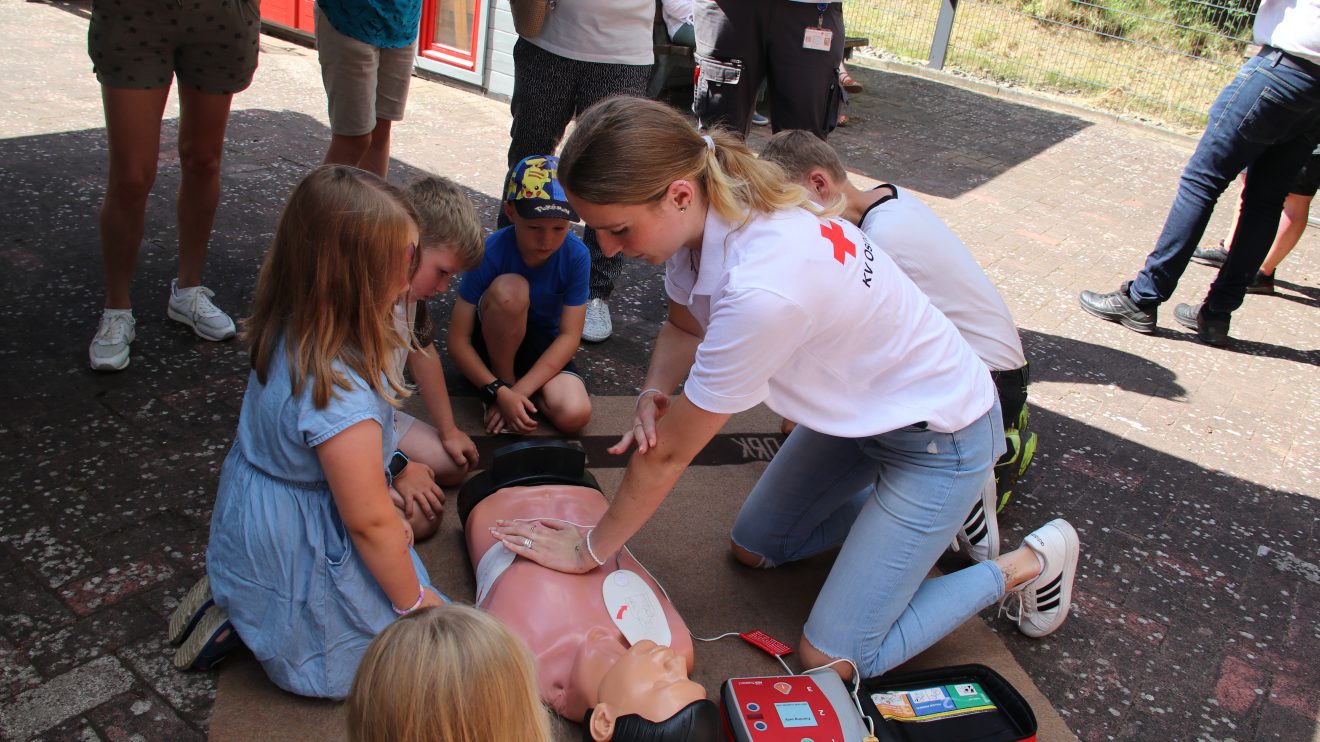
point(815, 706)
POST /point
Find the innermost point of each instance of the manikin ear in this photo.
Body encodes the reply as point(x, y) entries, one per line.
point(681, 194)
point(602, 722)
point(820, 184)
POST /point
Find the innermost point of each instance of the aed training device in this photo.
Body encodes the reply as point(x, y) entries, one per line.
point(813, 707)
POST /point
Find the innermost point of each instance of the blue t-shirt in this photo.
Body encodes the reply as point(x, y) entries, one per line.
point(387, 24)
point(561, 282)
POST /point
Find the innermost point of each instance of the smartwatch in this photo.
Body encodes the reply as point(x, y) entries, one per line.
point(490, 392)
point(397, 462)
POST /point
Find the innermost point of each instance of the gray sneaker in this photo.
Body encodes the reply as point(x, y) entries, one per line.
point(109, 349)
point(1117, 306)
point(193, 307)
point(598, 326)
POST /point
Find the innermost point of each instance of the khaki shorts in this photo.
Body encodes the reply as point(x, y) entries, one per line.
point(363, 83)
point(142, 44)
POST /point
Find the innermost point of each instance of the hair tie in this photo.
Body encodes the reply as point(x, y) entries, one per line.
point(710, 143)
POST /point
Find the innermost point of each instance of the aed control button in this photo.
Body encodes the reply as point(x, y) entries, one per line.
point(761, 726)
point(753, 707)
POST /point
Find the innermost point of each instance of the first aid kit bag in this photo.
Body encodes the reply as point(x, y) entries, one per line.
point(965, 703)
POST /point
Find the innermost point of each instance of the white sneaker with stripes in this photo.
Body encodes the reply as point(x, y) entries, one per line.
point(1042, 603)
point(979, 537)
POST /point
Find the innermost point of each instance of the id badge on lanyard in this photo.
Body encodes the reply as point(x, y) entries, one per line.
point(818, 37)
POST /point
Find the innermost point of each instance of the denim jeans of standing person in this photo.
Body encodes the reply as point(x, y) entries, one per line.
point(894, 501)
point(1266, 122)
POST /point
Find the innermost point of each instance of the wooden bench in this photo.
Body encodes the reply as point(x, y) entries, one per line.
point(674, 65)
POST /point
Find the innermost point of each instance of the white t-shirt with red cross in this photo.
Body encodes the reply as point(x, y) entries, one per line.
point(937, 261)
point(806, 315)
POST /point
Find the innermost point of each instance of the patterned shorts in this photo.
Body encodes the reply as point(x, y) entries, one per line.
point(211, 45)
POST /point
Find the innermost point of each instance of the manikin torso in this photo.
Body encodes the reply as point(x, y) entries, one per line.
point(563, 617)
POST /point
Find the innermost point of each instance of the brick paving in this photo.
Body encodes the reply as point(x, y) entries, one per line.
point(1191, 472)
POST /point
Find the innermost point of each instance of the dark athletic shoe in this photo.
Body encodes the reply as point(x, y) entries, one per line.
point(1211, 327)
point(1261, 284)
point(1215, 256)
point(1117, 306)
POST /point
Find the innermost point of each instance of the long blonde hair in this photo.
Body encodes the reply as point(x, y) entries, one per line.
point(628, 150)
point(446, 674)
point(329, 281)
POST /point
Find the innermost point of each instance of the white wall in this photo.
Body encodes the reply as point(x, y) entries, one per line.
point(499, 50)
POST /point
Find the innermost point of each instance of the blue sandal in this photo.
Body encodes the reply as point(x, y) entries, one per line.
point(211, 640)
point(190, 609)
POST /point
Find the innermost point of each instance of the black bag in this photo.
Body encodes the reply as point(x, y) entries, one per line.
point(1007, 716)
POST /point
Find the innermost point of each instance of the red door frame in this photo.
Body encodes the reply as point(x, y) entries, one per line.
point(427, 46)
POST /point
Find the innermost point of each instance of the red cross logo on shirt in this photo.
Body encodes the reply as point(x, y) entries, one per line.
point(842, 245)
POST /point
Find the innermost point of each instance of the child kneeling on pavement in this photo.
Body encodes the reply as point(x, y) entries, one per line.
point(308, 559)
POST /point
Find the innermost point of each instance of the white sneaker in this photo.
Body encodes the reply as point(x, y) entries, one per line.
point(1043, 603)
point(598, 325)
point(193, 307)
point(979, 537)
point(109, 348)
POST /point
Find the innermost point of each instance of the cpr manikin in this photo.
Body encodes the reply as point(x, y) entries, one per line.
point(583, 660)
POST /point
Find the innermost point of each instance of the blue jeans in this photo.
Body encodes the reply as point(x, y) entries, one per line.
point(894, 501)
point(1266, 122)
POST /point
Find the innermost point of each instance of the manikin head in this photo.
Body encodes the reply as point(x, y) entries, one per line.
point(646, 696)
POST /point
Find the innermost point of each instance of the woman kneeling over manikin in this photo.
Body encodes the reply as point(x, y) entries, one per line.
point(585, 667)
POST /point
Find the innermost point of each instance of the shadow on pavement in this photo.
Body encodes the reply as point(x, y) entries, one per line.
point(1196, 599)
point(1063, 359)
point(978, 138)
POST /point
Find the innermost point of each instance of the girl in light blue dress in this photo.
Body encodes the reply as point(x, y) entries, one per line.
point(308, 556)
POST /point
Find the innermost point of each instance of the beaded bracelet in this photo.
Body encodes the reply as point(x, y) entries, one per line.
point(599, 562)
point(421, 593)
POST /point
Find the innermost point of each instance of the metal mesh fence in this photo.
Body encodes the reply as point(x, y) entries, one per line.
point(1161, 60)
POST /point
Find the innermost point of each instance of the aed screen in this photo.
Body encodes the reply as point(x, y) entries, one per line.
point(797, 714)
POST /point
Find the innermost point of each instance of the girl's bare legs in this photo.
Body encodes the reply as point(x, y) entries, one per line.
point(203, 118)
point(132, 122)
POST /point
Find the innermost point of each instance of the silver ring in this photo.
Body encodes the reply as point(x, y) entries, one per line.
point(527, 543)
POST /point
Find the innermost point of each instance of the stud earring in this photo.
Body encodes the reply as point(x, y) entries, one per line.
point(682, 208)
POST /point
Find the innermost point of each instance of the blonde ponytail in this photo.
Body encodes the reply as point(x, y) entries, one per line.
point(628, 150)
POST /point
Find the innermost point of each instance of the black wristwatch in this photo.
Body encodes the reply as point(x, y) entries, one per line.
point(491, 391)
point(397, 462)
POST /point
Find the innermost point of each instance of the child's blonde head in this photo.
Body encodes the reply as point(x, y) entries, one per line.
point(329, 280)
point(446, 674)
point(628, 150)
point(447, 218)
point(799, 152)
